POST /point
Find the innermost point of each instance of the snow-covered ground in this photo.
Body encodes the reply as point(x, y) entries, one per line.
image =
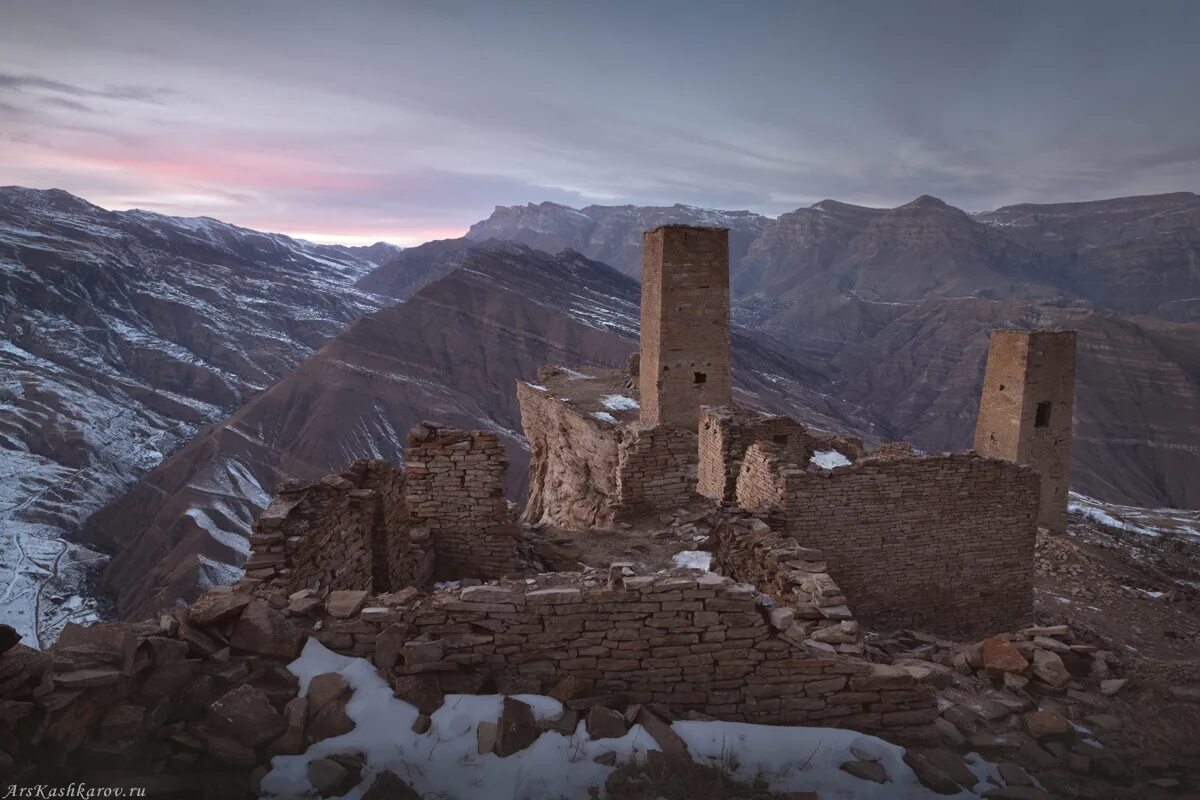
point(444, 761)
point(1146, 521)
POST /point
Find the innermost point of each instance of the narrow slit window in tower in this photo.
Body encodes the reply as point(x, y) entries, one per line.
point(1042, 418)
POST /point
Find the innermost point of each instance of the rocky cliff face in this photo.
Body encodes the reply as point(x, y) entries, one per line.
point(1137, 255)
point(122, 334)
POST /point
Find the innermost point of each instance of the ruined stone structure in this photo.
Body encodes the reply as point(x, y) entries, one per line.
point(454, 489)
point(1027, 409)
point(593, 468)
point(378, 527)
point(943, 543)
point(351, 528)
point(685, 323)
point(726, 433)
point(952, 535)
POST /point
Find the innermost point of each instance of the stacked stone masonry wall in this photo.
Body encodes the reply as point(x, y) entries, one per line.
point(688, 642)
point(727, 432)
point(761, 483)
point(684, 362)
point(1027, 408)
point(656, 469)
point(454, 488)
point(942, 543)
point(810, 607)
point(346, 531)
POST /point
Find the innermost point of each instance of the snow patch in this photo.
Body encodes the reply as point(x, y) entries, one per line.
point(619, 402)
point(828, 459)
point(693, 559)
point(445, 762)
point(604, 416)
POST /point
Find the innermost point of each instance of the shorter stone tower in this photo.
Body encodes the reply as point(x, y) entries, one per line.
point(1026, 411)
point(685, 323)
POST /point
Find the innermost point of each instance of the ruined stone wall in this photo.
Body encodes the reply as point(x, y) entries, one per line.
point(942, 544)
point(688, 642)
point(762, 484)
point(656, 469)
point(726, 432)
point(891, 451)
point(810, 607)
point(572, 464)
point(684, 361)
point(454, 489)
point(1026, 411)
point(344, 531)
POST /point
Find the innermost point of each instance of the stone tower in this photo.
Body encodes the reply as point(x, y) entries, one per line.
point(1026, 410)
point(685, 323)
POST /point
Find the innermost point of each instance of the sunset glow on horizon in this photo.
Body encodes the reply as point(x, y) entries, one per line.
point(403, 122)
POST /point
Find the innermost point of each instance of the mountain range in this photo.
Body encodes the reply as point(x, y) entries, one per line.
point(163, 375)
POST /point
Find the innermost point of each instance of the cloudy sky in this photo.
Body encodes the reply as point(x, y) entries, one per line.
point(358, 121)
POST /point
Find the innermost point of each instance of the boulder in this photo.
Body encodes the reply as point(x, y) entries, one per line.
point(930, 774)
point(660, 729)
point(950, 735)
point(330, 721)
point(345, 603)
point(229, 750)
point(1047, 724)
point(329, 777)
point(1111, 686)
point(325, 688)
point(263, 630)
point(517, 728)
point(948, 763)
point(882, 676)
point(866, 770)
point(213, 607)
point(422, 723)
point(122, 722)
point(604, 723)
point(101, 644)
point(999, 655)
point(388, 786)
point(1049, 667)
point(567, 688)
point(8, 638)
point(422, 691)
point(388, 644)
point(291, 741)
point(246, 714)
point(485, 737)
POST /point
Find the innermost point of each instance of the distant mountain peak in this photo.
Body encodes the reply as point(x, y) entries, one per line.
point(927, 201)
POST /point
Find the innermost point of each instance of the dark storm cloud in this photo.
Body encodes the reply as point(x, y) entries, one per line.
point(415, 119)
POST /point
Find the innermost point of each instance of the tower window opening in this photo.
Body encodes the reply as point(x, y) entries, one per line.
point(1042, 416)
point(699, 377)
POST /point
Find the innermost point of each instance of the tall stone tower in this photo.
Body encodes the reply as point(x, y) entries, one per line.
point(1026, 410)
point(685, 323)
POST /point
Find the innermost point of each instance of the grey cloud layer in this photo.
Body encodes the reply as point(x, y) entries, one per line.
point(437, 112)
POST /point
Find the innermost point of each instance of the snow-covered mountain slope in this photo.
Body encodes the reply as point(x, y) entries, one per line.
point(121, 335)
